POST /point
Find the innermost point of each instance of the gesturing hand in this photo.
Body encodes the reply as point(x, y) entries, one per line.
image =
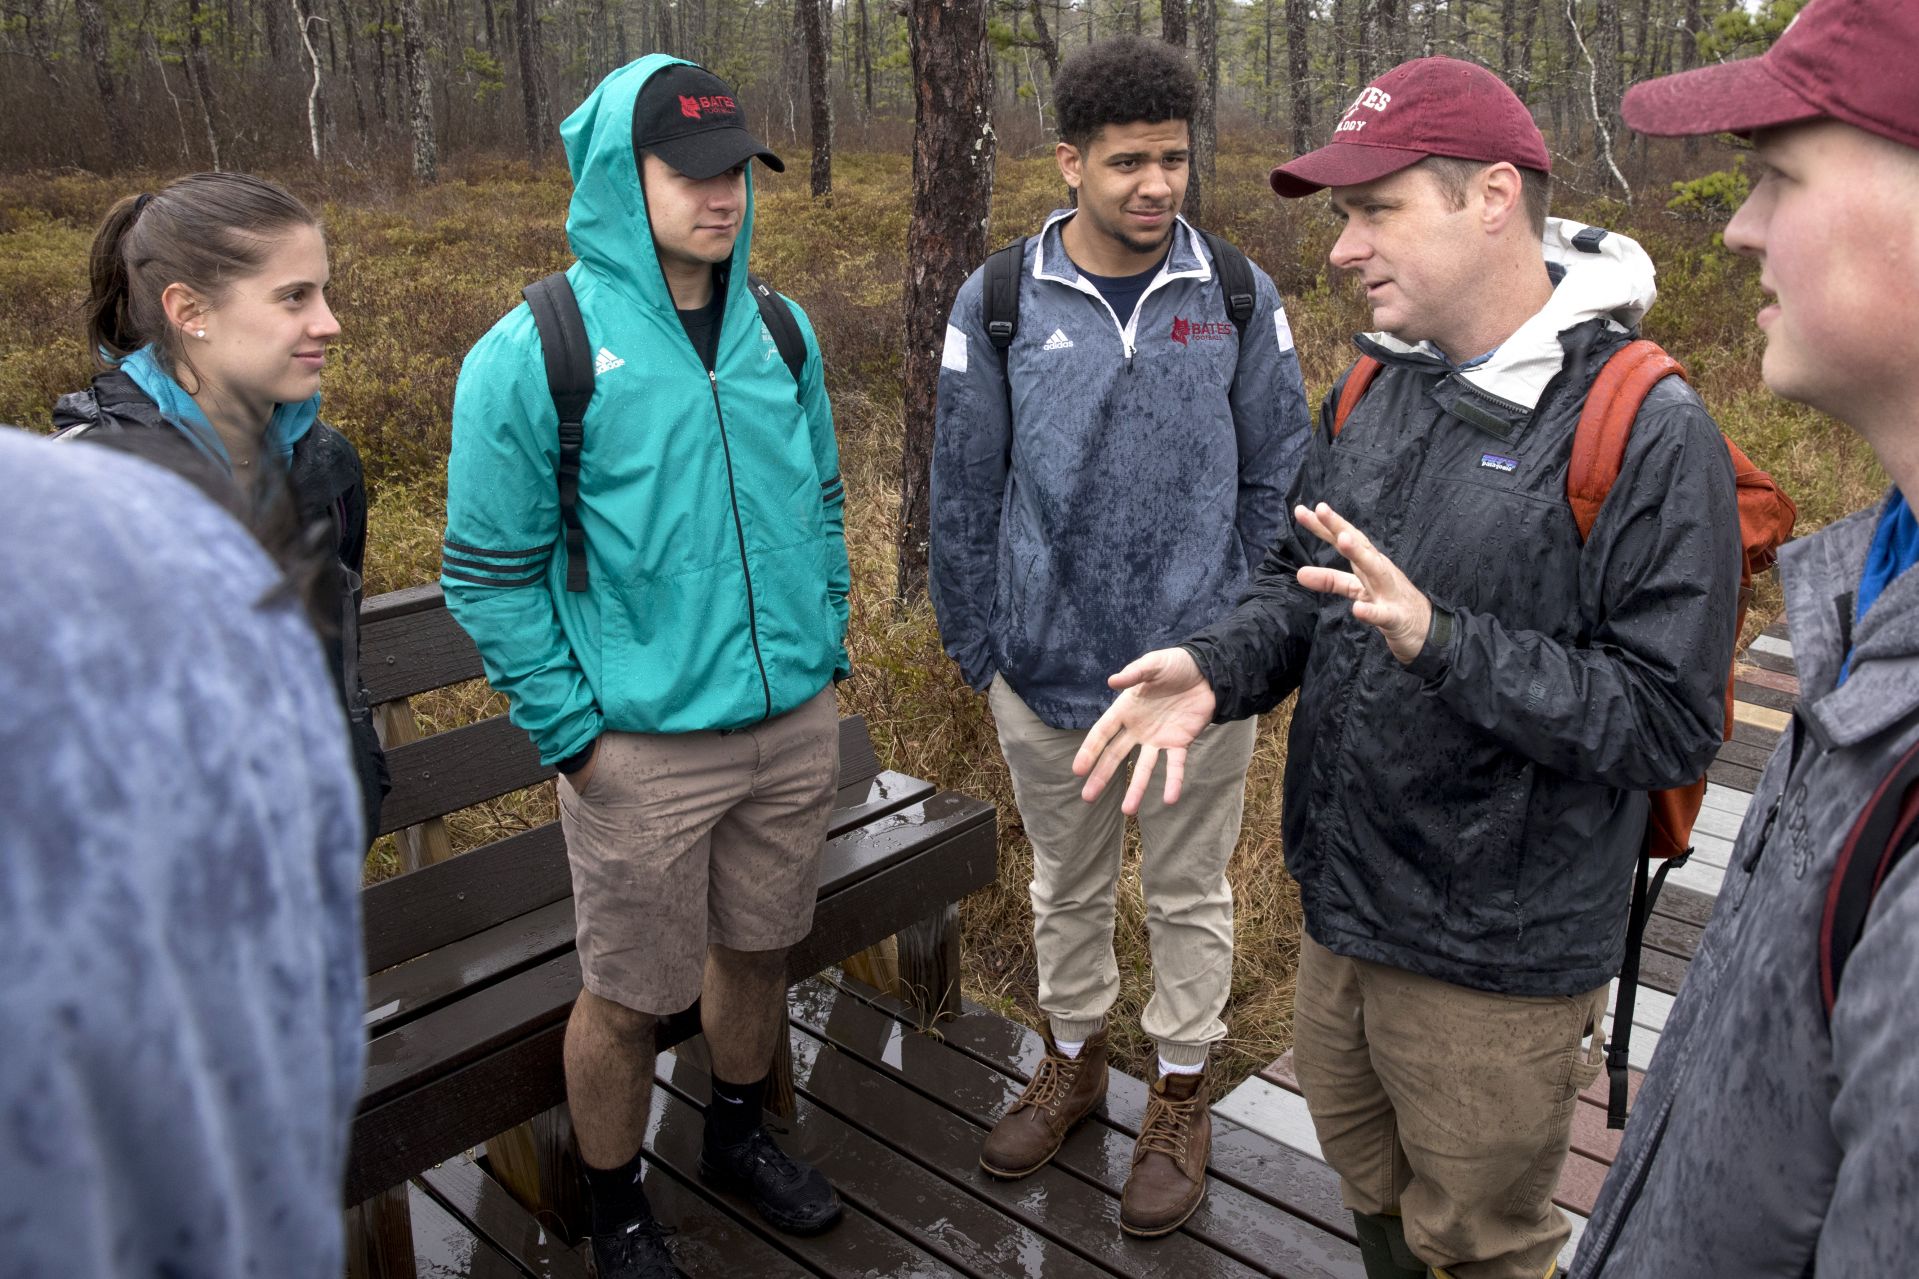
point(1165, 705)
point(1381, 594)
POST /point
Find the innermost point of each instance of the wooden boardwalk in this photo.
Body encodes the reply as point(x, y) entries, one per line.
point(1766, 685)
point(895, 1117)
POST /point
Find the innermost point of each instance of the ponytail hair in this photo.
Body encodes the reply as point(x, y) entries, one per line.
point(204, 231)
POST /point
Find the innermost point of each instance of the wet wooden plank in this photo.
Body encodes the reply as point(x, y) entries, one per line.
point(1232, 1220)
point(1719, 822)
point(465, 1190)
point(1733, 776)
point(1660, 971)
point(1744, 754)
point(1058, 1201)
point(454, 970)
point(1727, 800)
point(445, 1248)
point(1650, 1008)
point(1752, 733)
point(457, 769)
point(707, 1243)
point(406, 653)
point(1744, 690)
point(953, 1215)
point(412, 914)
point(1592, 1138)
point(1766, 659)
point(858, 1245)
point(1760, 677)
point(1684, 904)
point(1672, 936)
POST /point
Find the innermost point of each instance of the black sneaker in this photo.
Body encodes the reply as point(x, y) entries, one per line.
point(637, 1252)
point(791, 1195)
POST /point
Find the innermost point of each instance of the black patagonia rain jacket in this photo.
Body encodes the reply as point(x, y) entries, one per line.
point(329, 489)
point(1476, 816)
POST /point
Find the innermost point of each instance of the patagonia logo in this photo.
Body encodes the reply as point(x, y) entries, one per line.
point(1494, 462)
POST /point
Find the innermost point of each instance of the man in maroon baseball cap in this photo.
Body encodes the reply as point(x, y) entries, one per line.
point(1775, 1134)
point(1484, 696)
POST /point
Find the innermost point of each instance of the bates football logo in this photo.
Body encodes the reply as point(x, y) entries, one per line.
point(1189, 331)
point(692, 108)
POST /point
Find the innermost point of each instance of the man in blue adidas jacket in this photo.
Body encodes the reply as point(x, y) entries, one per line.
point(1109, 481)
point(686, 693)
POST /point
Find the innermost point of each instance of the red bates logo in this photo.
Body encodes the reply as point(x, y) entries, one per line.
point(692, 108)
point(1185, 331)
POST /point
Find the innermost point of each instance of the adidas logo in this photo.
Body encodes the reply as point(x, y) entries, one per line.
point(606, 361)
point(1058, 342)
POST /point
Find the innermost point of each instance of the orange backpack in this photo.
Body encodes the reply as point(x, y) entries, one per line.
point(1766, 516)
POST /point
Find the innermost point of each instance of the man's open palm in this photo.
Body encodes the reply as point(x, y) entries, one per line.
point(1165, 704)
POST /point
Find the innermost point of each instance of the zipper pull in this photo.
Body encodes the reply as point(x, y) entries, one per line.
point(713, 377)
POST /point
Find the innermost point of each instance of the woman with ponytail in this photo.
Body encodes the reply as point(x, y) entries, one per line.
point(208, 309)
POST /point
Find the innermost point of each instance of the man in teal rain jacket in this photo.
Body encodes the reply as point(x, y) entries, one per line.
point(686, 692)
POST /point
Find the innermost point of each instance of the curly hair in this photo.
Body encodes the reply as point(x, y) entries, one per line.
point(1120, 81)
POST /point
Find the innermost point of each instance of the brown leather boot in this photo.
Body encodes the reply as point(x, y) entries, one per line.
point(1063, 1092)
point(1169, 1160)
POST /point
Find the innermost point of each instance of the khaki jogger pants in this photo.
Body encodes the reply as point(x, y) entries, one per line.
point(1450, 1107)
point(1077, 852)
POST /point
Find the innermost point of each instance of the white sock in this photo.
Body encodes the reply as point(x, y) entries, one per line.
point(1069, 1048)
point(1168, 1068)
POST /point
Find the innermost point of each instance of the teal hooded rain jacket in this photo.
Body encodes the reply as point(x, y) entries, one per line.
point(712, 505)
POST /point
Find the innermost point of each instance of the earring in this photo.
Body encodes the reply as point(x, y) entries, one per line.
point(199, 333)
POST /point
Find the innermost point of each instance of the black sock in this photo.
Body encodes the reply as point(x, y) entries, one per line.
point(616, 1196)
point(734, 1113)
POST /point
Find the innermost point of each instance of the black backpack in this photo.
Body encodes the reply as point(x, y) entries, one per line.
point(569, 379)
point(1001, 285)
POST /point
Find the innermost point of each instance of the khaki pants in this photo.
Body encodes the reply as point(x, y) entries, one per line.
point(1077, 851)
point(1450, 1107)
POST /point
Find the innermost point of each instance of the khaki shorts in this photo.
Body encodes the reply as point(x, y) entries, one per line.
point(688, 840)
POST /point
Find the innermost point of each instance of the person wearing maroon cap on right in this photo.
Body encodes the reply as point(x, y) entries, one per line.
point(1777, 1133)
point(1484, 700)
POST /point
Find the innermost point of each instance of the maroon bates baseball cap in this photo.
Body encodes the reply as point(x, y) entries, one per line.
point(689, 118)
point(1849, 60)
point(1426, 107)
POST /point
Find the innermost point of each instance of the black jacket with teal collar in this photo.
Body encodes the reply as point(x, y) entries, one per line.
point(1475, 816)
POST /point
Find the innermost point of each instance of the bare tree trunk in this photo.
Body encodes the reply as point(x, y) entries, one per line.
point(953, 150)
point(345, 19)
point(1463, 29)
point(1206, 110)
point(197, 78)
point(1172, 22)
point(866, 54)
point(1602, 131)
point(94, 46)
point(535, 116)
point(1342, 91)
point(1298, 64)
point(1043, 36)
point(819, 102)
point(426, 152)
point(1266, 63)
point(302, 23)
point(1525, 86)
point(1508, 19)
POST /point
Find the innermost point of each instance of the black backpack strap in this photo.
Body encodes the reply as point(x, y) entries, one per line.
point(1645, 891)
point(1881, 836)
point(569, 379)
point(779, 321)
point(1235, 280)
point(1000, 297)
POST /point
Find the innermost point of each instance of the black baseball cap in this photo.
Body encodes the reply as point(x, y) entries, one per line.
point(689, 118)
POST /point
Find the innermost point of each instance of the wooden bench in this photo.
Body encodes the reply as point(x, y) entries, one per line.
point(470, 960)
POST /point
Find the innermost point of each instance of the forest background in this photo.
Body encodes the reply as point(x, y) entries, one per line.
point(426, 131)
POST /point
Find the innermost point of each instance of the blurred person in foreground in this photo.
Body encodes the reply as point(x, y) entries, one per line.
point(1777, 1133)
point(180, 966)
